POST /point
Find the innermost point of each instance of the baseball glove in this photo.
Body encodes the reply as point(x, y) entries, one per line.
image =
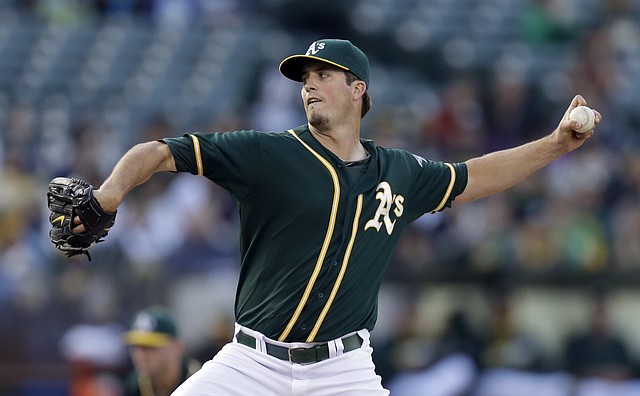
point(67, 199)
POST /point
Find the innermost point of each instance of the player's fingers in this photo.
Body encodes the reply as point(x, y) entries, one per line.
point(79, 227)
point(584, 136)
point(577, 100)
point(573, 125)
point(598, 116)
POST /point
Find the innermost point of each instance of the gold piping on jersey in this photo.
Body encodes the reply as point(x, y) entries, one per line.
point(325, 244)
point(198, 154)
point(343, 269)
point(452, 182)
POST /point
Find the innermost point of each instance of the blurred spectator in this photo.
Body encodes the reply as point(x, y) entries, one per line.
point(220, 332)
point(509, 93)
point(597, 351)
point(452, 364)
point(95, 354)
point(512, 360)
point(507, 346)
point(20, 138)
point(407, 349)
point(130, 7)
point(453, 375)
point(550, 21)
point(157, 354)
point(64, 12)
point(509, 382)
point(458, 128)
point(174, 14)
point(625, 214)
point(275, 106)
point(459, 338)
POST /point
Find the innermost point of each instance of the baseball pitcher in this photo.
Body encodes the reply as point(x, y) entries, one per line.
point(321, 211)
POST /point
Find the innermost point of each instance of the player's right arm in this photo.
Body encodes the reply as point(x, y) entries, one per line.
point(495, 172)
point(133, 169)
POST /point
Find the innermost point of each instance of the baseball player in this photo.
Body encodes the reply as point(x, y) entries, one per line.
point(158, 357)
point(321, 210)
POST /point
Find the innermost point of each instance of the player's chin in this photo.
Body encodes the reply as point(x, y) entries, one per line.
point(317, 120)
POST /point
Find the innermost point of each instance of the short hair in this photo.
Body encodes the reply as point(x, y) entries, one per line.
point(366, 99)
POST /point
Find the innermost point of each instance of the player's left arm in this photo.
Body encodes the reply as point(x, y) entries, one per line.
point(495, 172)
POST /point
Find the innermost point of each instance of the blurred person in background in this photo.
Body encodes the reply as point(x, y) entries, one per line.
point(95, 355)
point(158, 357)
point(445, 365)
point(220, 331)
point(598, 358)
point(507, 346)
point(597, 351)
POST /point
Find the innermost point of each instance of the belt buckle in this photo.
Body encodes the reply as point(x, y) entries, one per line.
point(294, 349)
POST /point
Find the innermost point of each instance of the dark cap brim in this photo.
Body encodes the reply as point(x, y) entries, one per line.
point(292, 66)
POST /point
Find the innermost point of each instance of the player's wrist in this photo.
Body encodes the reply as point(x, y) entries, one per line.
point(565, 141)
point(107, 201)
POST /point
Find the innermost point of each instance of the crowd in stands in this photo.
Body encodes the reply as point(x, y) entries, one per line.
point(442, 99)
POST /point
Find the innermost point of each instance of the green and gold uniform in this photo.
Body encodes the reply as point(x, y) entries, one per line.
point(316, 233)
point(140, 385)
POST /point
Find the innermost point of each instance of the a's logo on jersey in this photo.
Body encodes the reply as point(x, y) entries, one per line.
point(314, 48)
point(389, 203)
point(419, 159)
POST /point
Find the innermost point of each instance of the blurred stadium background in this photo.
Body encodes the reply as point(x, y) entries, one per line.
point(533, 292)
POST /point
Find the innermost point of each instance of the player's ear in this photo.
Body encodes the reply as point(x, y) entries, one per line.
point(359, 88)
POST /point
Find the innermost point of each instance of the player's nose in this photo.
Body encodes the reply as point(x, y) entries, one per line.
point(309, 85)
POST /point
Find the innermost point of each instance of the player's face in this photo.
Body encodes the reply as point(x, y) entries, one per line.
point(151, 360)
point(325, 94)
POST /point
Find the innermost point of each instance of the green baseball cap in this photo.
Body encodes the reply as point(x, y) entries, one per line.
point(152, 327)
point(340, 53)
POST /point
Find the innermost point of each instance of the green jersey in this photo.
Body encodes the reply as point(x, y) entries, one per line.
point(315, 239)
point(140, 385)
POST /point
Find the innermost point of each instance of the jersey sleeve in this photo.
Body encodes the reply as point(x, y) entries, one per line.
point(437, 184)
point(227, 158)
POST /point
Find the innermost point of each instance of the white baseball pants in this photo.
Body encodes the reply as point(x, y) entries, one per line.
point(239, 370)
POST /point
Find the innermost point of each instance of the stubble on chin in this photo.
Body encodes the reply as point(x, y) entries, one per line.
point(318, 120)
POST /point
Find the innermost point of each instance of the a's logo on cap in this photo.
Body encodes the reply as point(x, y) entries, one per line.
point(314, 48)
point(144, 322)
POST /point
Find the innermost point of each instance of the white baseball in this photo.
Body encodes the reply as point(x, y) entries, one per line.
point(585, 116)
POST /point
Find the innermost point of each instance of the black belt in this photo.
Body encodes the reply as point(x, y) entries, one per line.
point(302, 355)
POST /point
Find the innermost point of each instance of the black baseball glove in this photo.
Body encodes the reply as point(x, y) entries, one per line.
point(67, 199)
